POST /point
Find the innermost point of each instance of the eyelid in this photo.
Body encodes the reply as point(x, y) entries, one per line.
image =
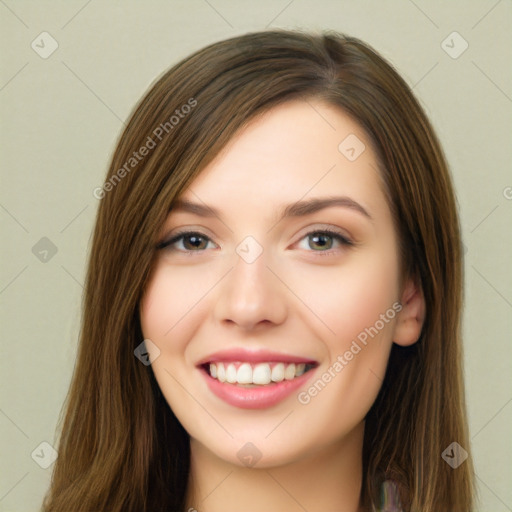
point(173, 233)
point(326, 228)
point(170, 240)
point(344, 242)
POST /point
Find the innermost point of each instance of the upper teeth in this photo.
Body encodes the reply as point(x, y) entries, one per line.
point(261, 373)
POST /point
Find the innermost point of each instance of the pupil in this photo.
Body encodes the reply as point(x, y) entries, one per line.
point(322, 241)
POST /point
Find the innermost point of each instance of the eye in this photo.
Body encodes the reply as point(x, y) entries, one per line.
point(324, 240)
point(187, 241)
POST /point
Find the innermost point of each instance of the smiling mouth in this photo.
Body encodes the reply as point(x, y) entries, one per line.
point(250, 375)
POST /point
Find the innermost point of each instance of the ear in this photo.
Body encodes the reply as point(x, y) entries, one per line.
point(412, 315)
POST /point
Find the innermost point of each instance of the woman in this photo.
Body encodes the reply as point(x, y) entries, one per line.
point(278, 237)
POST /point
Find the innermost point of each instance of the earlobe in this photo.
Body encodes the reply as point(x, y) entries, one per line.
point(412, 315)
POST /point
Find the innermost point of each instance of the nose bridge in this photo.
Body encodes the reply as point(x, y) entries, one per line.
point(250, 294)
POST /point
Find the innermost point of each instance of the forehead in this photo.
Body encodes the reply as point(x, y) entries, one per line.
point(297, 150)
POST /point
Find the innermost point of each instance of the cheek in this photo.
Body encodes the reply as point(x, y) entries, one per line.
point(173, 302)
point(350, 298)
point(355, 301)
point(171, 310)
point(348, 382)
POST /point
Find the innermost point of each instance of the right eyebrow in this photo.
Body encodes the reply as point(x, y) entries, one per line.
point(182, 205)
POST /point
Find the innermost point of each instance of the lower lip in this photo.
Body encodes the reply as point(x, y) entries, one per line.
point(260, 397)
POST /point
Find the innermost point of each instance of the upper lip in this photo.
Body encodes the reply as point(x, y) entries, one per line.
point(253, 356)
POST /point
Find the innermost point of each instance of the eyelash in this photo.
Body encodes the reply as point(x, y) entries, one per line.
point(344, 241)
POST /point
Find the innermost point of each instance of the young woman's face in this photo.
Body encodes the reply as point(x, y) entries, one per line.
point(273, 305)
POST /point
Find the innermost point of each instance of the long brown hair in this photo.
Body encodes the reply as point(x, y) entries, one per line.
point(121, 448)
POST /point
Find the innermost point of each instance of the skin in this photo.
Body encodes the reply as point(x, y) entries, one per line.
point(298, 297)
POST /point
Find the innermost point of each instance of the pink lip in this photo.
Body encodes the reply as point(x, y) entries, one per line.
point(256, 397)
point(260, 397)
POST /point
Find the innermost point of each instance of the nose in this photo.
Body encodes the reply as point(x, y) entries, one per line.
point(250, 296)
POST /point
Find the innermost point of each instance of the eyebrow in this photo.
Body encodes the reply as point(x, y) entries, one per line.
point(297, 209)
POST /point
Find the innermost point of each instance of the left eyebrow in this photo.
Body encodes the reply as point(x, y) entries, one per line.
point(309, 206)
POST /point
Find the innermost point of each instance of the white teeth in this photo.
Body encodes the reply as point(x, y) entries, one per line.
point(278, 372)
point(221, 373)
point(244, 374)
point(289, 372)
point(260, 374)
point(231, 373)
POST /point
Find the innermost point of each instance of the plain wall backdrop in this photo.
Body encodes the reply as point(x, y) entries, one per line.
point(71, 73)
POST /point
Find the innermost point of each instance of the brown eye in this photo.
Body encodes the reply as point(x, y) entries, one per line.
point(186, 242)
point(194, 242)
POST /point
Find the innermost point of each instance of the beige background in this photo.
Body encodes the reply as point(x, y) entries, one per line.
point(60, 120)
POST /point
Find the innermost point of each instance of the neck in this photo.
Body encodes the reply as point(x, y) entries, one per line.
point(329, 479)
